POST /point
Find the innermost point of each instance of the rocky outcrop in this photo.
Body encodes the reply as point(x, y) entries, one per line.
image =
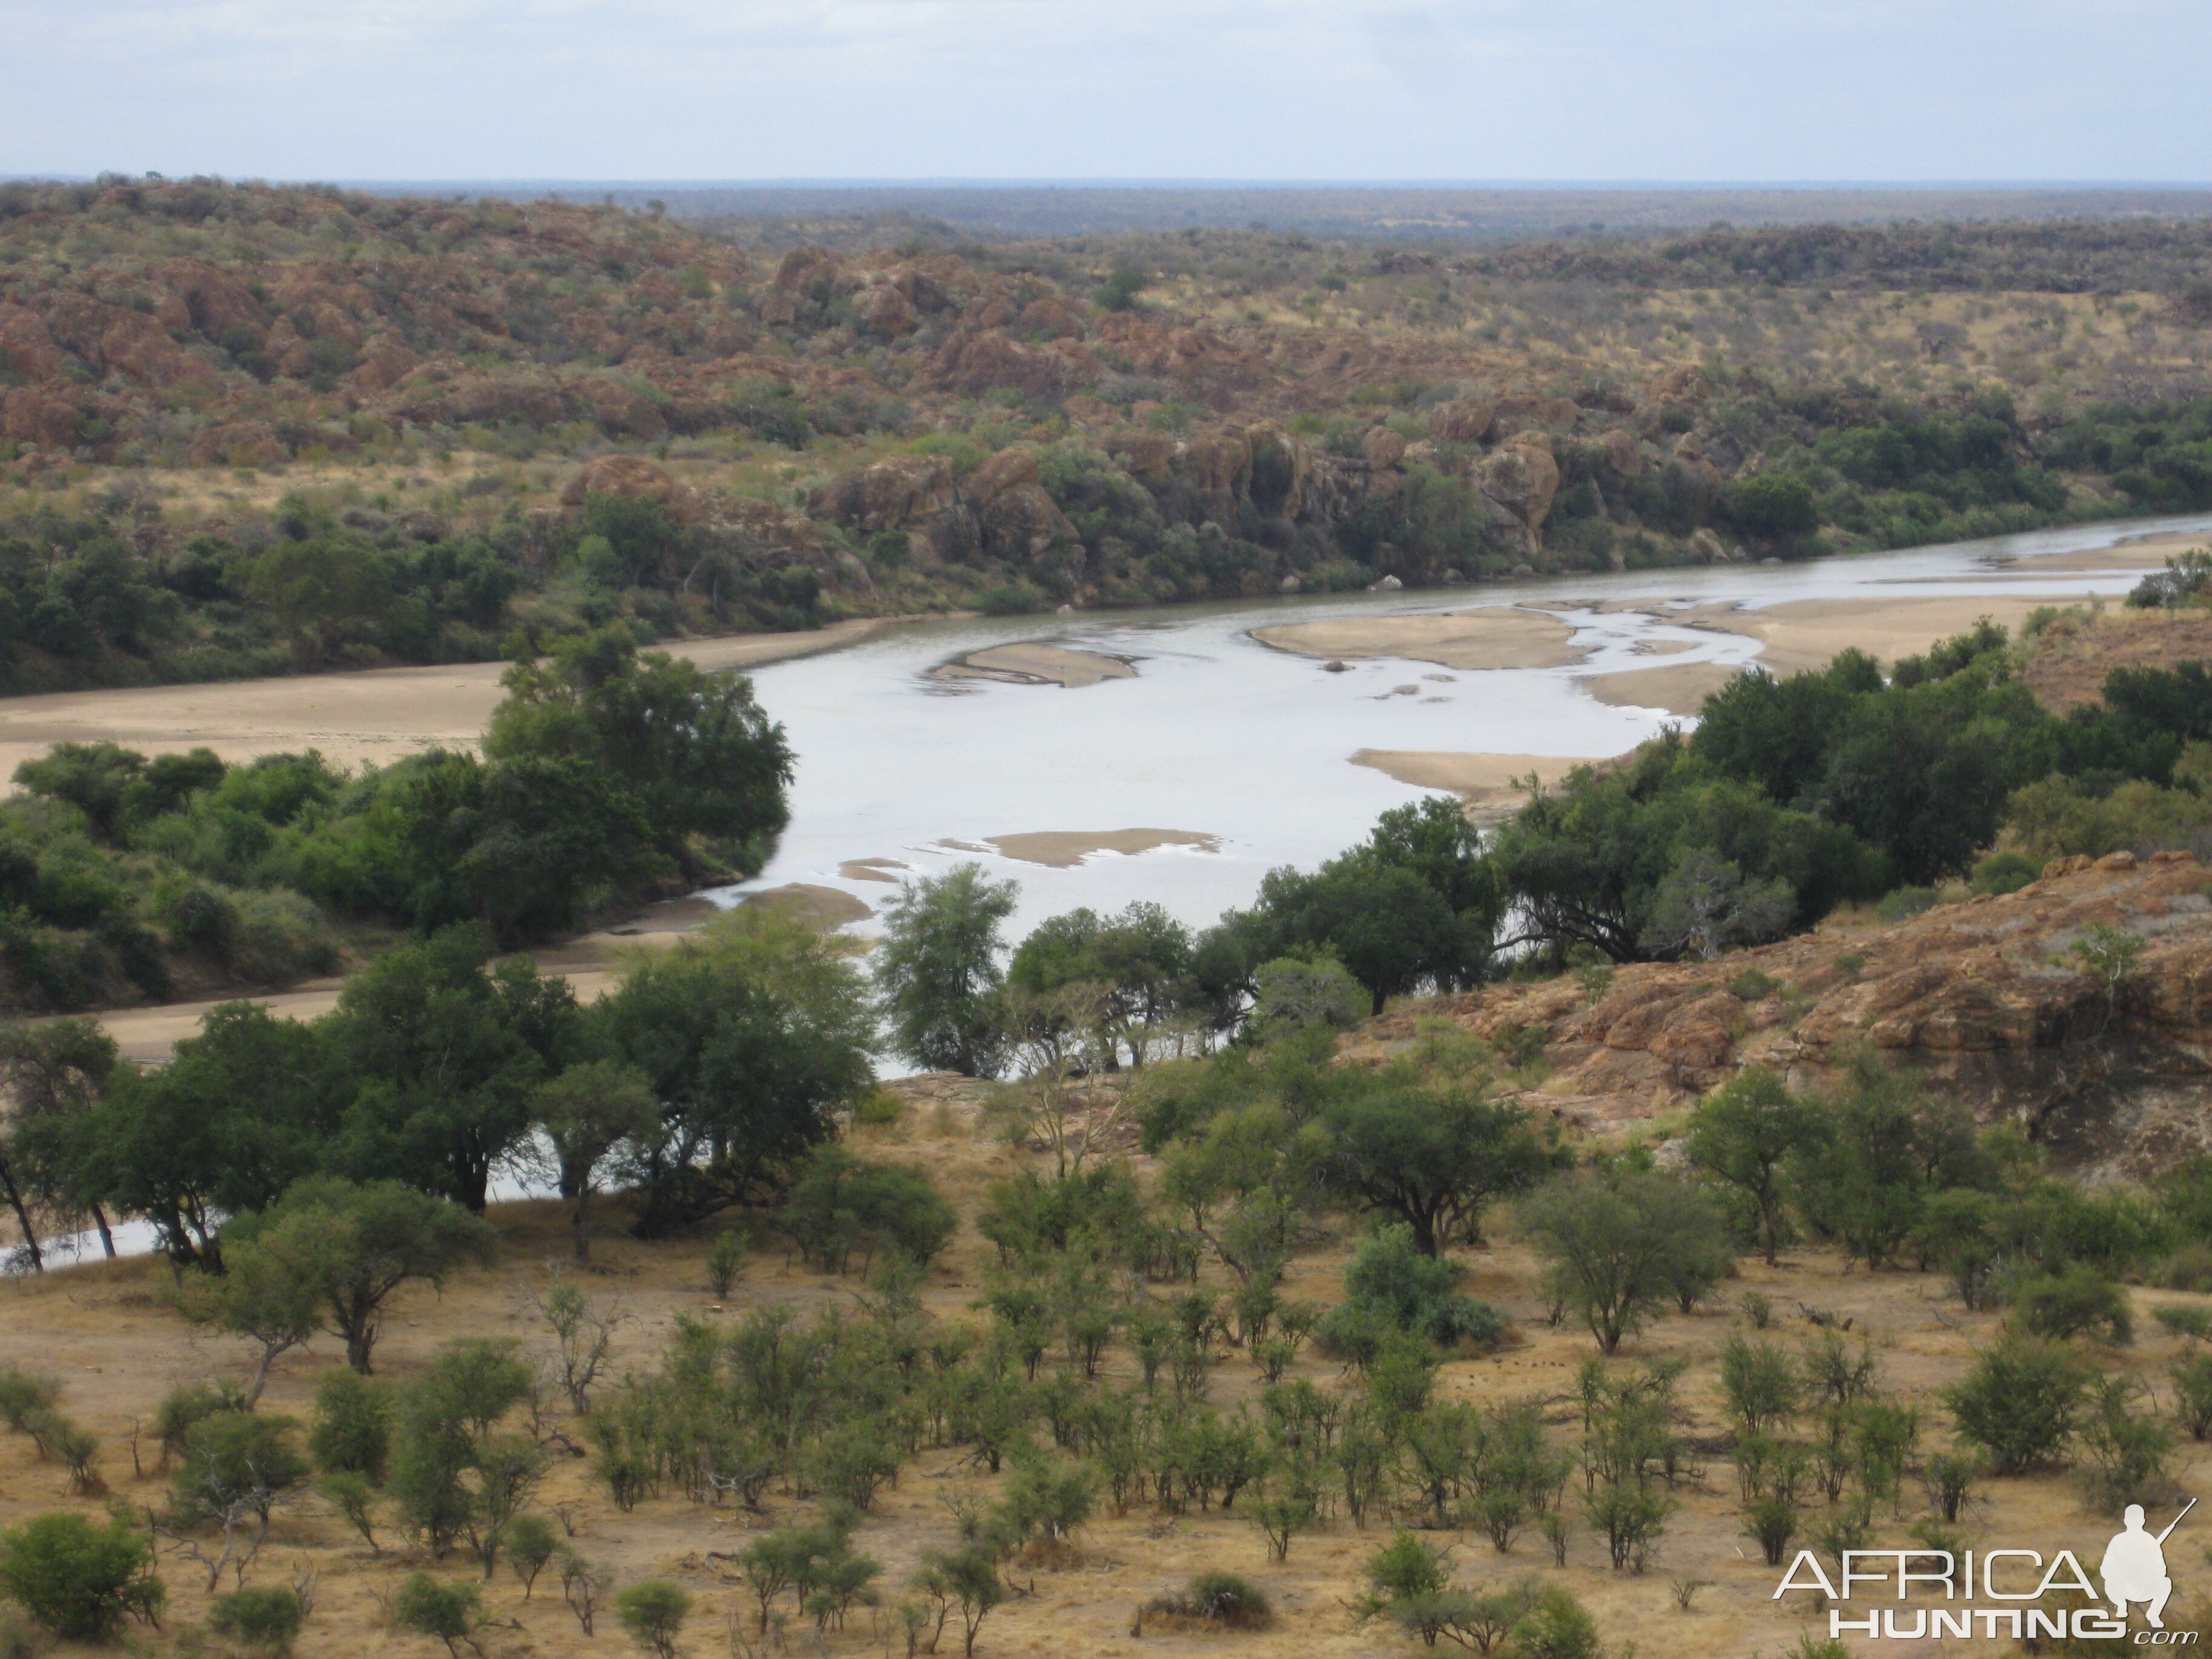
point(1986, 1001)
point(1522, 477)
point(627, 476)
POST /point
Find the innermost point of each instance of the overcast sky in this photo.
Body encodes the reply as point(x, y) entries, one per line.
point(1684, 90)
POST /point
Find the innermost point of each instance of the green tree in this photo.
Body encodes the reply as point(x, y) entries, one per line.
point(2020, 1401)
point(428, 1607)
point(706, 768)
point(652, 1612)
point(82, 1579)
point(753, 1036)
point(937, 969)
point(585, 1112)
point(353, 1246)
point(54, 1075)
point(1433, 1158)
point(1743, 1135)
point(445, 1049)
point(1616, 1242)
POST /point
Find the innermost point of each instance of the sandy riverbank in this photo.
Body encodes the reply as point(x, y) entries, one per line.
point(1678, 688)
point(1801, 634)
point(1490, 785)
point(1494, 636)
point(1034, 662)
point(1062, 850)
point(375, 716)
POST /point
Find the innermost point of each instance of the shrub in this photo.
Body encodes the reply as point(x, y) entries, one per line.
point(351, 1430)
point(1220, 1600)
point(724, 1262)
point(262, 1615)
point(355, 1499)
point(2126, 1451)
point(237, 1458)
point(2020, 1401)
point(2192, 1395)
point(840, 1203)
point(184, 1409)
point(23, 1393)
point(653, 1613)
point(2005, 873)
point(530, 1545)
point(1905, 903)
point(2194, 1323)
point(428, 1607)
point(1391, 1285)
point(1751, 986)
point(84, 1580)
point(2079, 1301)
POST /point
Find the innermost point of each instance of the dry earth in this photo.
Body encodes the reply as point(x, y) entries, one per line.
point(105, 1330)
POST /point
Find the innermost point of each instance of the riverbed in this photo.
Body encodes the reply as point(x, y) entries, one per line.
point(1243, 756)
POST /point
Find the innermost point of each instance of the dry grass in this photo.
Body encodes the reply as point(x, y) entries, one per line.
point(105, 1329)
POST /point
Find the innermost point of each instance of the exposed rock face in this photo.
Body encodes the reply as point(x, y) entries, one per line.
point(1466, 420)
point(1021, 522)
point(1985, 1000)
point(626, 475)
point(1624, 456)
point(1383, 448)
point(1522, 477)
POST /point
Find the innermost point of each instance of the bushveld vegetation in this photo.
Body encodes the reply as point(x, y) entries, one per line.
point(607, 775)
point(263, 429)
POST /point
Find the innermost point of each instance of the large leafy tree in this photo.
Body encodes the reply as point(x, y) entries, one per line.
point(242, 1109)
point(442, 1047)
point(344, 1248)
point(53, 1076)
point(1433, 1158)
point(1743, 1135)
point(750, 1039)
point(937, 969)
point(1134, 966)
point(705, 766)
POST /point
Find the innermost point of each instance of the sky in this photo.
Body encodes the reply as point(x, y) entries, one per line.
point(1526, 91)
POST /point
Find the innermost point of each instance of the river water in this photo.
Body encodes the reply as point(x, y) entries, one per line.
point(1221, 736)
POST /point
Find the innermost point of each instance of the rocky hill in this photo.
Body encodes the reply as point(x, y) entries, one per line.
point(1094, 420)
point(2102, 1055)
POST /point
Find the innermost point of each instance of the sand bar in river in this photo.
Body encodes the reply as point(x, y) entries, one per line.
point(1034, 662)
point(1494, 636)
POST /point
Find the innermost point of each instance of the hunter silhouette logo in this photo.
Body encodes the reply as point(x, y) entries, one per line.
point(2134, 1567)
point(2018, 1581)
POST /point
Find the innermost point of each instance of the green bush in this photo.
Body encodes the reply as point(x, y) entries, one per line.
point(1391, 1287)
point(24, 1393)
point(350, 1432)
point(725, 1260)
point(82, 1579)
point(428, 1606)
point(530, 1545)
point(263, 1616)
point(1752, 985)
point(236, 1458)
point(2079, 1302)
point(1217, 1598)
point(2020, 1401)
point(652, 1612)
point(2005, 873)
point(185, 1408)
point(842, 1203)
point(1905, 903)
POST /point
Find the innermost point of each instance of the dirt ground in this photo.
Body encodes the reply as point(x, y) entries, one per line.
point(105, 1329)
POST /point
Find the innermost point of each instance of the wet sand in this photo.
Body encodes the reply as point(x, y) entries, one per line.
point(2150, 553)
point(1061, 849)
point(1495, 636)
point(1678, 688)
point(1035, 663)
point(1490, 785)
point(1802, 634)
point(375, 716)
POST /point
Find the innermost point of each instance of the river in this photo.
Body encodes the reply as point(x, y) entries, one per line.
point(1220, 736)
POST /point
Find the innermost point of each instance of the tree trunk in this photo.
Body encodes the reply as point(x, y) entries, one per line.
point(106, 1233)
point(22, 1218)
point(580, 1222)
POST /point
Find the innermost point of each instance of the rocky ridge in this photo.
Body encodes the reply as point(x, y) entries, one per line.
point(1985, 999)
